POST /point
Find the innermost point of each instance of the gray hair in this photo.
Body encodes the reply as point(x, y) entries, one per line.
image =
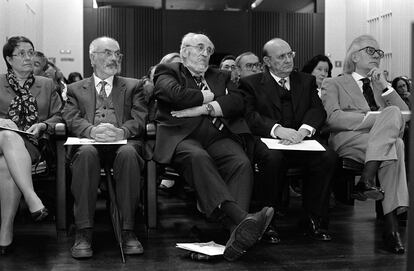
point(93, 45)
point(168, 57)
point(187, 41)
point(356, 45)
point(239, 57)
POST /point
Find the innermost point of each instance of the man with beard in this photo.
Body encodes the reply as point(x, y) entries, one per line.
point(199, 110)
point(105, 107)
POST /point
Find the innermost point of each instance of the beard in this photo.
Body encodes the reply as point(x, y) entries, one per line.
point(198, 67)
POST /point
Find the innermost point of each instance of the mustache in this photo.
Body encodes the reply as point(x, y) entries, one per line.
point(112, 64)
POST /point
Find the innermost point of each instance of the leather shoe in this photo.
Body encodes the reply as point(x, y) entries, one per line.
point(271, 236)
point(130, 243)
point(4, 250)
point(247, 233)
point(83, 244)
point(311, 226)
point(363, 191)
point(40, 214)
point(393, 242)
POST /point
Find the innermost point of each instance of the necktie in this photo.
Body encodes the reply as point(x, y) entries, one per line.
point(199, 82)
point(282, 83)
point(102, 91)
point(368, 94)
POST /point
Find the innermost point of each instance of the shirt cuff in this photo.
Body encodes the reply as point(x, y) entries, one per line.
point(217, 112)
point(272, 131)
point(390, 89)
point(126, 132)
point(309, 128)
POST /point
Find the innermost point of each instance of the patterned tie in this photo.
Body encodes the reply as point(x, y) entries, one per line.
point(282, 83)
point(199, 82)
point(102, 92)
point(368, 94)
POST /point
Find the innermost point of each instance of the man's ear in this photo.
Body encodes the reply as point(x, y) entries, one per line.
point(355, 57)
point(266, 60)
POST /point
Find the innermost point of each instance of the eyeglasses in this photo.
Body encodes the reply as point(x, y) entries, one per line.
point(201, 47)
point(22, 54)
point(371, 51)
point(252, 66)
point(109, 53)
point(229, 67)
point(282, 57)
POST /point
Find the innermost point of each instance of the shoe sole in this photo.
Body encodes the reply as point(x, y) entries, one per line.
point(133, 250)
point(242, 238)
point(375, 195)
point(359, 196)
point(81, 254)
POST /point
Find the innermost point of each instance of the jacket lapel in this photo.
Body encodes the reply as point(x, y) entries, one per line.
point(352, 89)
point(118, 98)
point(269, 86)
point(89, 95)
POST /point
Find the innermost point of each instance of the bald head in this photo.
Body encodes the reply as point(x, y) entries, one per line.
point(278, 57)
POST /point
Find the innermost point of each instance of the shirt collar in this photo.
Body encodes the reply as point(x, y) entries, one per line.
point(357, 77)
point(277, 78)
point(98, 80)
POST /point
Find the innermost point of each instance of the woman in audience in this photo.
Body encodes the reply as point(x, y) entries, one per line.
point(319, 66)
point(74, 77)
point(401, 85)
point(27, 103)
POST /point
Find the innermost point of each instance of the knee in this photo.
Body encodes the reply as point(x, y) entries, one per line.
point(199, 156)
point(87, 152)
point(10, 137)
point(127, 152)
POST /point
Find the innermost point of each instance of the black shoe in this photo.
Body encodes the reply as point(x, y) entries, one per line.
point(4, 250)
point(40, 214)
point(363, 191)
point(311, 227)
point(130, 243)
point(82, 248)
point(393, 242)
point(247, 233)
point(271, 236)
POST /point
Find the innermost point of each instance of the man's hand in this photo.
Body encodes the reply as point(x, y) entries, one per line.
point(378, 80)
point(8, 123)
point(36, 129)
point(190, 112)
point(208, 96)
point(106, 132)
point(288, 136)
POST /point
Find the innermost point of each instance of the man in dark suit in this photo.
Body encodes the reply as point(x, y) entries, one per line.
point(199, 132)
point(285, 105)
point(107, 108)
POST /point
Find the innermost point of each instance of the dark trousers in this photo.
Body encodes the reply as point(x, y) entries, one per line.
point(86, 163)
point(316, 186)
point(216, 166)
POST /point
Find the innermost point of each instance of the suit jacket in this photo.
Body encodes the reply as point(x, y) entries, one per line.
point(127, 98)
point(263, 103)
point(43, 90)
point(175, 89)
point(346, 107)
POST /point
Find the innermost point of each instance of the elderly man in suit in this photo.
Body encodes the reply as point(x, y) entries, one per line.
point(105, 107)
point(376, 142)
point(284, 104)
point(199, 131)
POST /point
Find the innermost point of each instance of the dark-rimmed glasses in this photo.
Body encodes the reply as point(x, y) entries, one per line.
point(371, 51)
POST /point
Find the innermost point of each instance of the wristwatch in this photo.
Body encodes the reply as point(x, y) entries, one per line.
point(209, 109)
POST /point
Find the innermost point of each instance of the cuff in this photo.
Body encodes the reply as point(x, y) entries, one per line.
point(207, 96)
point(217, 112)
point(309, 128)
point(126, 132)
point(390, 89)
point(272, 131)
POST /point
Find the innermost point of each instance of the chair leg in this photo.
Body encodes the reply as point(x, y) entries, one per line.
point(60, 186)
point(151, 195)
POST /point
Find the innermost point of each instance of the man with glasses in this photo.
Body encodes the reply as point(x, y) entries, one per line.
point(351, 102)
point(107, 108)
point(199, 111)
point(247, 64)
point(284, 104)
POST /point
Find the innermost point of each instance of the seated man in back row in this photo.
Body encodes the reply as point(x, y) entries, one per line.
point(107, 108)
point(199, 130)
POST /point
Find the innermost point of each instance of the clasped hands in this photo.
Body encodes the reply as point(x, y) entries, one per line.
point(107, 132)
point(290, 136)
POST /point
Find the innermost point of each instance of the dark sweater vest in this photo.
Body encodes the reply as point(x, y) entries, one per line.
point(104, 110)
point(288, 116)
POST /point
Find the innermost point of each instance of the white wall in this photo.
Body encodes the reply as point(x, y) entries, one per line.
point(389, 21)
point(52, 26)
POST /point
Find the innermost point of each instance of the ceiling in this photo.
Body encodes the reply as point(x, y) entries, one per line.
point(228, 5)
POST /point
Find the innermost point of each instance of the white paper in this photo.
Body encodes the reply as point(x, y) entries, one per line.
point(88, 141)
point(305, 145)
point(209, 248)
point(371, 116)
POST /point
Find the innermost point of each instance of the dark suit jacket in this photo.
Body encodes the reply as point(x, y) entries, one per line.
point(43, 90)
point(131, 114)
point(175, 89)
point(263, 104)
